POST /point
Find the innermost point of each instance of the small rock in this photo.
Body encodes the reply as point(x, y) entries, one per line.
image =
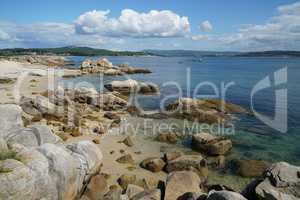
point(133, 190)
point(126, 179)
point(112, 116)
point(172, 155)
point(250, 168)
point(126, 159)
point(167, 138)
point(153, 164)
point(96, 141)
point(128, 141)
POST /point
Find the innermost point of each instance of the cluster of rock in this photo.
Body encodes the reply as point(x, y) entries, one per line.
point(38, 165)
point(51, 61)
point(203, 110)
point(73, 112)
point(105, 67)
point(132, 86)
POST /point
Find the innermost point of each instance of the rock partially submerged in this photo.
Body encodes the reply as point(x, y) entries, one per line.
point(210, 144)
point(132, 86)
point(203, 111)
point(280, 181)
point(133, 70)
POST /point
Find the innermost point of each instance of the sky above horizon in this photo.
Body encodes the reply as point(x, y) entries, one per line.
point(215, 25)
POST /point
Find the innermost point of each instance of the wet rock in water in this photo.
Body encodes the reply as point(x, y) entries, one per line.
point(112, 72)
point(172, 155)
point(128, 141)
point(126, 179)
point(130, 85)
point(189, 162)
point(208, 111)
point(126, 159)
point(250, 168)
point(167, 138)
point(153, 164)
point(211, 145)
point(280, 181)
point(133, 190)
point(217, 162)
point(10, 118)
point(154, 194)
point(179, 183)
point(224, 195)
point(96, 188)
point(132, 70)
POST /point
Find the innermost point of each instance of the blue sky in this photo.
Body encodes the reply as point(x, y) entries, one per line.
point(157, 24)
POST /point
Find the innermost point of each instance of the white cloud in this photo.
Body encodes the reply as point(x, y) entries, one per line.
point(206, 26)
point(130, 23)
point(4, 36)
point(200, 37)
point(279, 32)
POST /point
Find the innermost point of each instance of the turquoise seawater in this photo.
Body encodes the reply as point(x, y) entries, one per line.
point(252, 139)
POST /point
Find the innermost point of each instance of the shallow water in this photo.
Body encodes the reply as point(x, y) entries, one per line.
point(252, 138)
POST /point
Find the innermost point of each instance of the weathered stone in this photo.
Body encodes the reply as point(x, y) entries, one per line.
point(10, 118)
point(172, 155)
point(210, 144)
point(154, 194)
point(281, 181)
point(193, 196)
point(96, 188)
point(128, 141)
point(126, 159)
point(126, 179)
point(179, 183)
point(132, 86)
point(250, 168)
point(224, 195)
point(153, 164)
point(133, 190)
point(167, 138)
point(189, 162)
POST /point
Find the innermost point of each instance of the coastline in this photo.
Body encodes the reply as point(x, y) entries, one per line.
point(109, 143)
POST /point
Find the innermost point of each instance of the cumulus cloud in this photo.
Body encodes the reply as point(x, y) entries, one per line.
point(206, 26)
point(279, 32)
point(130, 23)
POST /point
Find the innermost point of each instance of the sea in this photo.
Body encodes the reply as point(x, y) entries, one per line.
point(268, 87)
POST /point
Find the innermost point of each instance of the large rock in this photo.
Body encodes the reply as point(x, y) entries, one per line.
point(33, 136)
point(132, 86)
point(133, 190)
point(153, 164)
point(189, 162)
point(47, 170)
point(224, 195)
point(179, 183)
point(281, 181)
point(250, 168)
point(211, 145)
point(154, 194)
point(10, 118)
point(208, 111)
point(126, 179)
point(133, 70)
point(97, 188)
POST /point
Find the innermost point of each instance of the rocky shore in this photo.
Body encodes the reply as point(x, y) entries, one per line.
point(71, 144)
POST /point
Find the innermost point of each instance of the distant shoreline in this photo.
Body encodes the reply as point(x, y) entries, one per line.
point(87, 51)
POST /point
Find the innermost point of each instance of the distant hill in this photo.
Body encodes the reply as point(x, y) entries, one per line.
point(191, 53)
point(87, 51)
point(72, 51)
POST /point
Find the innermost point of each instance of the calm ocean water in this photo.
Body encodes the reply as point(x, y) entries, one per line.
point(253, 139)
